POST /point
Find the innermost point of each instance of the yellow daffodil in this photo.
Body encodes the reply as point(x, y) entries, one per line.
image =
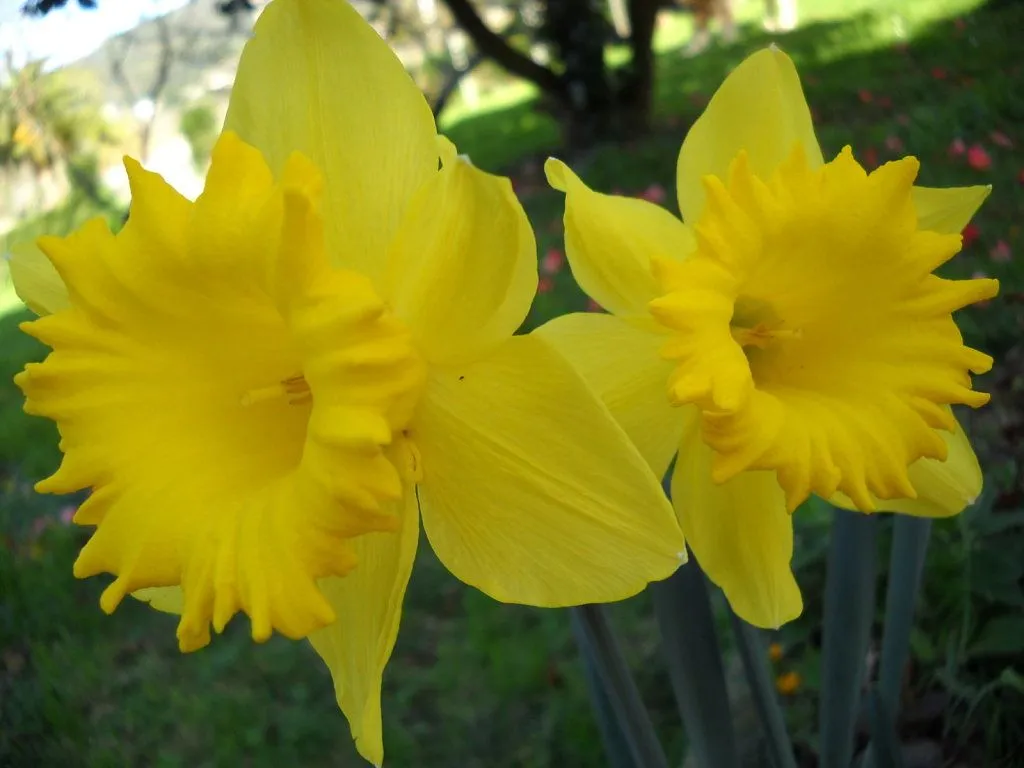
point(265, 389)
point(787, 337)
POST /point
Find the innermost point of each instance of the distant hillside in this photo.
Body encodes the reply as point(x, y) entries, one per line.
point(202, 42)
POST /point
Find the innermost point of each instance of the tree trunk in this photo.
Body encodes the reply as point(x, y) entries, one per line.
point(589, 101)
point(494, 47)
point(636, 94)
point(577, 30)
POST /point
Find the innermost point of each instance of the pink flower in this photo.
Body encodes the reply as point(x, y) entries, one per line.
point(938, 73)
point(67, 514)
point(654, 194)
point(957, 147)
point(865, 96)
point(970, 235)
point(903, 119)
point(545, 285)
point(1001, 139)
point(593, 306)
point(870, 158)
point(893, 143)
point(552, 262)
point(978, 158)
point(1001, 253)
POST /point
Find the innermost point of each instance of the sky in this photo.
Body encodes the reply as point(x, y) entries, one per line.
point(71, 33)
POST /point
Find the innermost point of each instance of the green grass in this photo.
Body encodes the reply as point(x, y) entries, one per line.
point(476, 683)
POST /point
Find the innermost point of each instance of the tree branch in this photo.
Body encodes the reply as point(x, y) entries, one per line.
point(494, 47)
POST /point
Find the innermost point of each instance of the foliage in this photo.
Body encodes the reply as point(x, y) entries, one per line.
point(48, 116)
point(199, 126)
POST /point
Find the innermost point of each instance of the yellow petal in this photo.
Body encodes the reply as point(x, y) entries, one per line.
point(36, 281)
point(943, 488)
point(166, 599)
point(611, 240)
point(368, 603)
point(621, 363)
point(739, 532)
point(530, 491)
point(317, 78)
point(760, 108)
point(463, 266)
point(947, 210)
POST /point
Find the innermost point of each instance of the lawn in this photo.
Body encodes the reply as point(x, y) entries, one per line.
point(476, 683)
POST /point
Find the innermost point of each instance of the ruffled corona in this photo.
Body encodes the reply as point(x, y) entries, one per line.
point(811, 332)
point(228, 397)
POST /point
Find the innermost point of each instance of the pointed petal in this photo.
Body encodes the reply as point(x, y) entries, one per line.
point(316, 78)
point(611, 240)
point(36, 280)
point(943, 488)
point(739, 532)
point(368, 604)
point(621, 363)
point(166, 599)
point(760, 108)
point(530, 491)
point(947, 210)
point(463, 266)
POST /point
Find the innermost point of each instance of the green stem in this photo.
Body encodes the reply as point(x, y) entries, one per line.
point(885, 751)
point(599, 642)
point(615, 744)
point(683, 610)
point(751, 647)
point(849, 610)
point(906, 565)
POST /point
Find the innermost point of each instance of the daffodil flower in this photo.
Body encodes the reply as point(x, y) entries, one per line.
point(266, 388)
point(787, 337)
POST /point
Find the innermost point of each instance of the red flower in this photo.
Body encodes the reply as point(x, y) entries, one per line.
point(970, 234)
point(870, 157)
point(978, 158)
point(545, 285)
point(865, 96)
point(654, 194)
point(1001, 253)
point(1001, 139)
point(939, 73)
point(552, 262)
point(893, 143)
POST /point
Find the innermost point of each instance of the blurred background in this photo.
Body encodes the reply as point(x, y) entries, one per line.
point(611, 86)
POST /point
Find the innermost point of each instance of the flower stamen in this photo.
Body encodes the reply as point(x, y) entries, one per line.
point(295, 389)
point(761, 335)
